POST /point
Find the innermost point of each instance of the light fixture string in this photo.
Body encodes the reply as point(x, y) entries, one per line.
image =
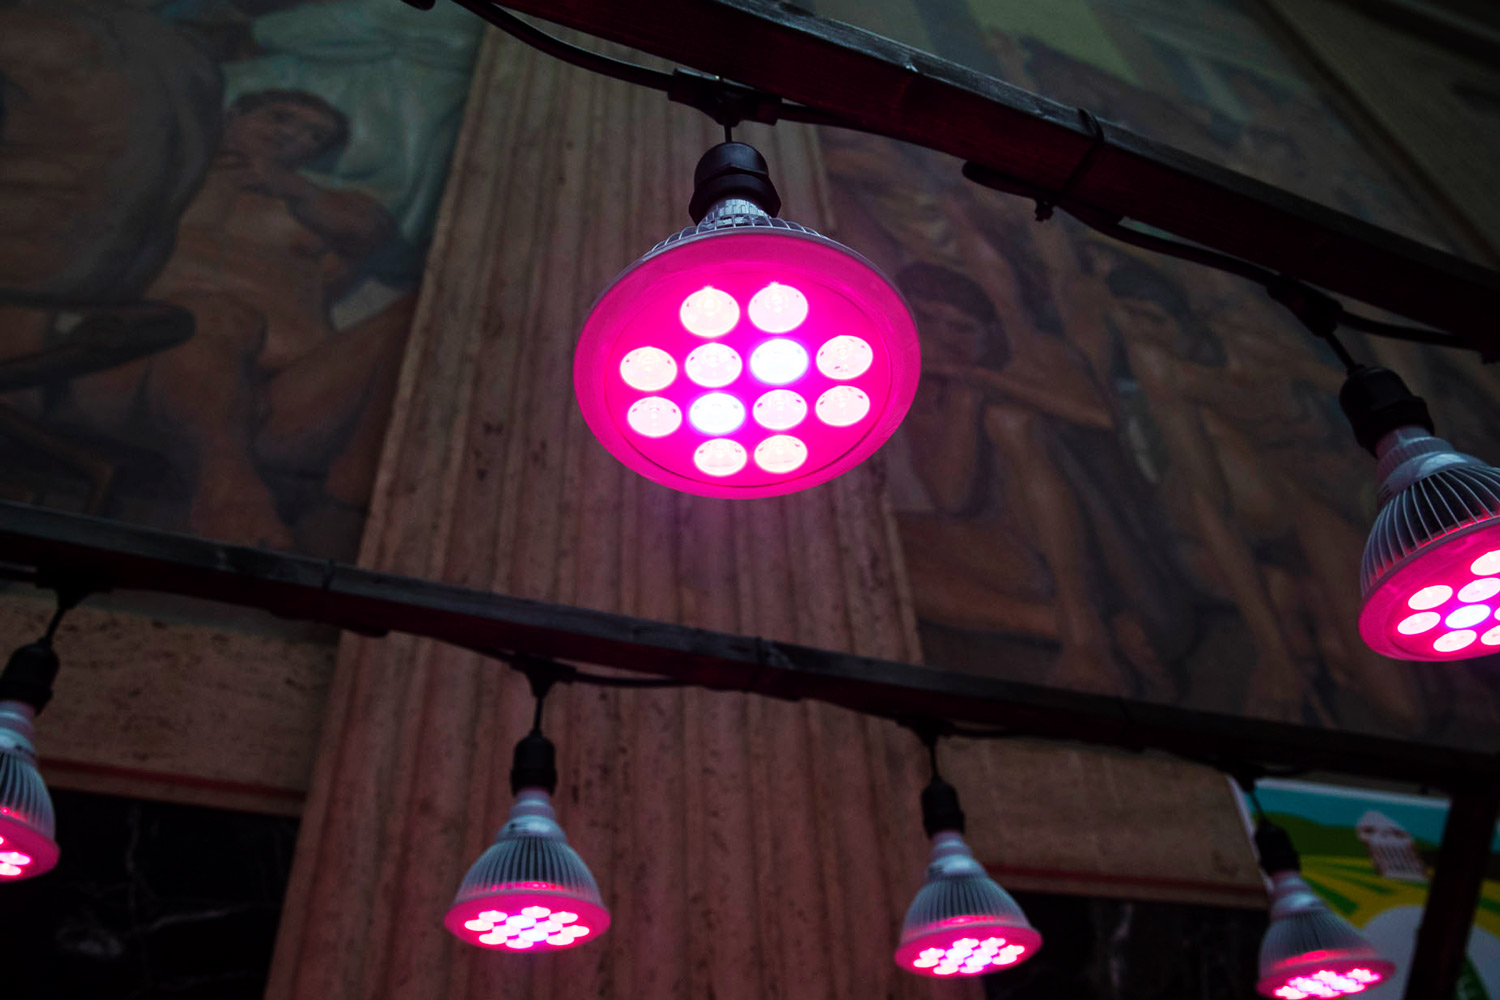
point(69, 595)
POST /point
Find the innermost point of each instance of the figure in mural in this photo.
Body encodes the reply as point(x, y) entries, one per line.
point(207, 288)
point(1095, 424)
point(261, 254)
point(1008, 472)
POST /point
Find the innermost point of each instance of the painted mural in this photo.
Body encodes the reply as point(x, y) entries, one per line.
point(1123, 473)
point(215, 214)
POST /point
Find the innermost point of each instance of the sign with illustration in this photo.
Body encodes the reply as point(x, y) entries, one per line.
point(1370, 856)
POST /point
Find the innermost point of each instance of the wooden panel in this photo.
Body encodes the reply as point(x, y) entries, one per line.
point(178, 711)
point(749, 847)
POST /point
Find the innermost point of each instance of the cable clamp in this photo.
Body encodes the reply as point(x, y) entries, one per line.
point(1046, 205)
point(727, 103)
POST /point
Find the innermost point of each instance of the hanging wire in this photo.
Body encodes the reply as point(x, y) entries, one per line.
point(69, 595)
point(1321, 313)
point(729, 104)
point(536, 716)
point(57, 617)
point(541, 670)
point(618, 69)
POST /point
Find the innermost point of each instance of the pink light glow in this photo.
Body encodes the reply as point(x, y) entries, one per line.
point(1448, 578)
point(810, 318)
point(967, 947)
point(1323, 975)
point(26, 853)
point(527, 918)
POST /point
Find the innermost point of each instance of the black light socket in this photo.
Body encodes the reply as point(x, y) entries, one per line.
point(1377, 402)
point(29, 675)
point(1274, 846)
point(940, 810)
point(534, 765)
point(732, 170)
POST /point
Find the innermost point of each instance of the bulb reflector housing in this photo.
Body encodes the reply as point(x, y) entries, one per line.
point(1309, 951)
point(27, 824)
point(529, 892)
point(1434, 550)
point(961, 922)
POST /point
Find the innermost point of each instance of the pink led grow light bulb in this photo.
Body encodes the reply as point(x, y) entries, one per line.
point(1308, 950)
point(27, 847)
point(505, 903)
point(819, 342)
point(961, 923)
point(1434, 549)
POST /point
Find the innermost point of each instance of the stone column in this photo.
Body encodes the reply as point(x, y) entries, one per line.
point(749, 848)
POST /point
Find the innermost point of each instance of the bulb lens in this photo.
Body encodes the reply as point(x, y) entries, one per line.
point(1418, 623)
point(1429, 597)
point(746, 315)
point(1452, 642)
point(778, 308)
point(780, 410)
point(845, 357)
point(649, 369)
point(843, 406)
point(714, 366)
point(966, 949)
point(720, 457)
point(1487, 564)
point(1480, 590)
point(1470, 614)
point(536, 925)
point(779, 361)
point(709, 312)
point(780, 453)
point(717, 413)
point(654, 416)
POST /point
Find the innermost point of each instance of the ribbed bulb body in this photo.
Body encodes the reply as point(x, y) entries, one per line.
point(529, 891)
point(961, 922)
point(1311, 952)
point(1430, 573)
point(27, 826)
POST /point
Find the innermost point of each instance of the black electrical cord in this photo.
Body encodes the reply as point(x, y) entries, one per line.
point(544, 672)
point(1317, 310)
point(642, 76)
point(727, 103)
